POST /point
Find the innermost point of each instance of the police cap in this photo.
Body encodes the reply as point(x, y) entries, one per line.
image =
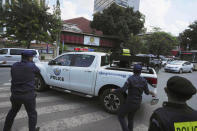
point(137, 67)
point(181, 86)
point(28, 53)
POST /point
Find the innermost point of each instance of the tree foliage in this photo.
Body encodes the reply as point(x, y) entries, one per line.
point(161, 43)
point(189, 37)
point(28, 20)
point(137, 45)
point(118, 21)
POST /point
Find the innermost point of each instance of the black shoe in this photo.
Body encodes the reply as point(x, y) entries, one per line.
point(37, 128)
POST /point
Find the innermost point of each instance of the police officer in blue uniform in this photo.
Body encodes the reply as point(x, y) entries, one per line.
point(23, 90)
point(175, 115)
point(135, 85)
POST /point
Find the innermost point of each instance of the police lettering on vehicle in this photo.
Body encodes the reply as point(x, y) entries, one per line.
point(185, 126)
point(112, 74)
point(57, 78)
point(57, 72)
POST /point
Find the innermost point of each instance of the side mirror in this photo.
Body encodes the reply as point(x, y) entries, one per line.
point(52, 62)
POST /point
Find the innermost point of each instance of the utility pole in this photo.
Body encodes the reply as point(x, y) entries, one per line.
point(58, 16)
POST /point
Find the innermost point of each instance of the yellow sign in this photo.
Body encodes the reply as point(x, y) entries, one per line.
point(91, 39)
point(185, 126)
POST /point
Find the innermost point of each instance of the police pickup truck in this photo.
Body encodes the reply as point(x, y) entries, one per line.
point(89, 74)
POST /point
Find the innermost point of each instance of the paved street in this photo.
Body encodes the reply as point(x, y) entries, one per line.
point(64, 112)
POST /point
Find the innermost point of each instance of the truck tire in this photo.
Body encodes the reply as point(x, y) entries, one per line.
point(111, 101)
point(39, 83)
point(191, 70)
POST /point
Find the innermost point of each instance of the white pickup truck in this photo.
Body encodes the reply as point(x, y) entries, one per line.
point(89, 74)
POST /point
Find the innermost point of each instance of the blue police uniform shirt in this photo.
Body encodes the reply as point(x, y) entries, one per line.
point(23, 77)
point(135, 85)
point(165, 118)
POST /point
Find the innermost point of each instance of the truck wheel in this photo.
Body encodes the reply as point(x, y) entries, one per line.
point(191, 70)
point(39, 83)
point(111, 101)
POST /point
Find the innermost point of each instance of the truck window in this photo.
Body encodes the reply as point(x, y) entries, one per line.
point(64, 60)
point(83, 60)
point(34, 51)
point(15, 52)
point(19, 51)
point(3, 51)
point(105, 60)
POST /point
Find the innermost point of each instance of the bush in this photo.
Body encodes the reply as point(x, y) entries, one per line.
point(42, 57)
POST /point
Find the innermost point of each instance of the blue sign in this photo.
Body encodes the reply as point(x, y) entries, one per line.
point(57, 71)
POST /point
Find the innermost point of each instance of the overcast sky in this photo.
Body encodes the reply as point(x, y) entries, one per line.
point(171, 15)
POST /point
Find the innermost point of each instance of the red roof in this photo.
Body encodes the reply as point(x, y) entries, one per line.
point(84, 24)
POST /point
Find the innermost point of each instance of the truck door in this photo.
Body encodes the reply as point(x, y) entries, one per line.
point(4, 55)
point(189, 66)
point(58, 73)
point(16, 55)
point(82, 73)
point(185, 67)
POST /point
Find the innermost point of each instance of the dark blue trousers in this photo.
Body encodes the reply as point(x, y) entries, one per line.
point(29, 102)
point(127, 109)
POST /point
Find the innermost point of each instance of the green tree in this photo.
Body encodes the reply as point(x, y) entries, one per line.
point(188, 37)
point(161, 43)
point(137, 45)
point(27, 20)
point(118, 21)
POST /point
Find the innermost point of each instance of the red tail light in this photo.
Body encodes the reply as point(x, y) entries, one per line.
point(152, 81)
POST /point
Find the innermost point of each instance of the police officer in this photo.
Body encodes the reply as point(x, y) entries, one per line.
point(136, 85)
point(175, 115)
point(23, 90)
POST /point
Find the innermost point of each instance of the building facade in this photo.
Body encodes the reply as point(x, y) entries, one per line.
point(100, 5)
point(77, 32)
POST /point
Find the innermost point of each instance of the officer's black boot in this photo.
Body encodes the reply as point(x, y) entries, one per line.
point(37, 128)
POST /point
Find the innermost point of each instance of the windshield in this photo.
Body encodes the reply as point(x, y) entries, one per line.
point(176, 63)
